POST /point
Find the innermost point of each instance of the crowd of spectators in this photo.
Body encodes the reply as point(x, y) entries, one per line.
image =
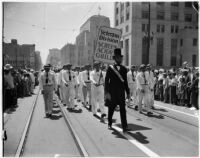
point(17, 83)
point(178, 86)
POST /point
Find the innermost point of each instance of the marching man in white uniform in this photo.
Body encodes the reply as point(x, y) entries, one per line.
point(60, 84)
point(143, 89)
point(150, 77)
point(47, 84)
point(98, 79)
point(86, 81)
point(69, 80)
point(131, 78)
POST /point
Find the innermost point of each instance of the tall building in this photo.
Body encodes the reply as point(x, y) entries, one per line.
point(19, 56)
point(68, 54)
point(86, 40)
point(173, 32)
point(38, 61)
point(54, 57)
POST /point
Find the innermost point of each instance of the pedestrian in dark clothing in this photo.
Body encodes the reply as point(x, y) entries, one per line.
point(115, 86)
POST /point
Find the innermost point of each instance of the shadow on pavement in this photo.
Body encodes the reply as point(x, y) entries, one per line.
point(154, 116)
point(55, 117)
point(75, 110)
point(162, 110)
point(55, 111)
point(134, 127)
point(139, 137)
point(117, 134)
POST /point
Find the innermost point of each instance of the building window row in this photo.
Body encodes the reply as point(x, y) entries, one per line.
point(145, 27)
point(175, 4)
point(174, 28)
point(194, 42)
point(127, 28)
point(122, 19)
point(160, 15)
point(160, 28)
point(174, 16)
point(145, 14)
point(188, 17)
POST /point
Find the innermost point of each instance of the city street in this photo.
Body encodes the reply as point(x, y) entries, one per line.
point(171, 131)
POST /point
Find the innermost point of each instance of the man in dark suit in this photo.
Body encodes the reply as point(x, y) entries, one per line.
point(115, 86)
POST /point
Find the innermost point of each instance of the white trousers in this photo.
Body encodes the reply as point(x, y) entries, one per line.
point(133, 91)
point(144, 97)
point(69, 95)
point(98, 98)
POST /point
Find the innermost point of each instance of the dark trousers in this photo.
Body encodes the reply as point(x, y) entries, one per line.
point(111, 110)
point(173, 97)
point(8, 100)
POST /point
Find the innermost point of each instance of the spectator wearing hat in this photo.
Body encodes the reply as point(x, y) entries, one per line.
point(131, 78)
point(116, 85)
point(47, 84)
point(86, 81)
point(69, 80)
point(97, 88)
point(150, 78)
point(8, 87)
point(173, 83)
point(143, 90)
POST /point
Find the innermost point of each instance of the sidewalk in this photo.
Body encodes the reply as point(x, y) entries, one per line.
point(14, 122)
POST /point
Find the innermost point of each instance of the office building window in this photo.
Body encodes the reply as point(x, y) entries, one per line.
point(173, 51)
point(127, 4)
point(122, 19)
point(117, 10)
point(127, 16)
point(160, 28)
point(188, 17)
point(145, 14)
point(176, 29)
point(194, 59)
point(181, 42)
point(175, 4)
point(160, 49)
point(194, 42)
point(174, 16)
point(122, 6)
point(144, 51)
point(160, 4)
point(121, 30)
point(172, 29)
point(127, 52)
point(188, 4)
point(160, 15)
point(117, 23)
point(127, 28)
point(145, 27)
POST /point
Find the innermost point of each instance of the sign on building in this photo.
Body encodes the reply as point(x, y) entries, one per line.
point(108, 40)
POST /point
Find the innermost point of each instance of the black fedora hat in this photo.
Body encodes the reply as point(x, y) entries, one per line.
point(117, 52)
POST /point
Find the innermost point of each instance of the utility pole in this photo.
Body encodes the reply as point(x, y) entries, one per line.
point(149, 28)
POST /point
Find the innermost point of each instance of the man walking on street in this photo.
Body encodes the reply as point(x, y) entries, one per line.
point(115, 86)
point(47, 84)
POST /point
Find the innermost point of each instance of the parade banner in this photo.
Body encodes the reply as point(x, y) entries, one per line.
point(108, 40)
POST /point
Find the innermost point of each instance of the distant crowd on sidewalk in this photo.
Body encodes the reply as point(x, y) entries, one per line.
point(17, 83)
point(178, 86)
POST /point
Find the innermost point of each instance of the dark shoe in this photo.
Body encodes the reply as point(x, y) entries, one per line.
point(95, 115)
point(90, 108)
point(153, 107)
point(136, 107)
point(50, 115)
point(103, 115)
point(149, 113)
point(47, 115)
point(110, 127)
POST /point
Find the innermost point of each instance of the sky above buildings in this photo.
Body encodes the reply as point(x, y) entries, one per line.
point(49, 25)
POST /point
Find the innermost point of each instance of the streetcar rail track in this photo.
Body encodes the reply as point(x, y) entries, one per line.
point(80, 146)
point(22, 142)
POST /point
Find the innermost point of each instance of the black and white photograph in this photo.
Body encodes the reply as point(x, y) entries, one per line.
point(100, 78)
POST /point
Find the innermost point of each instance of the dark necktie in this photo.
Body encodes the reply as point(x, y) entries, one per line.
point(145, 81)
point(47, 79)
point(88, 73)
point(133, 78)
point(70, 76)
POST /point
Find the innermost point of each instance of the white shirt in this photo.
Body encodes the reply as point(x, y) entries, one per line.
point(85, 77)
point(68, 76)
point(130, 76)
point(43, 78)
point(141, 80)
point(150, 78)
point(95, 76)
